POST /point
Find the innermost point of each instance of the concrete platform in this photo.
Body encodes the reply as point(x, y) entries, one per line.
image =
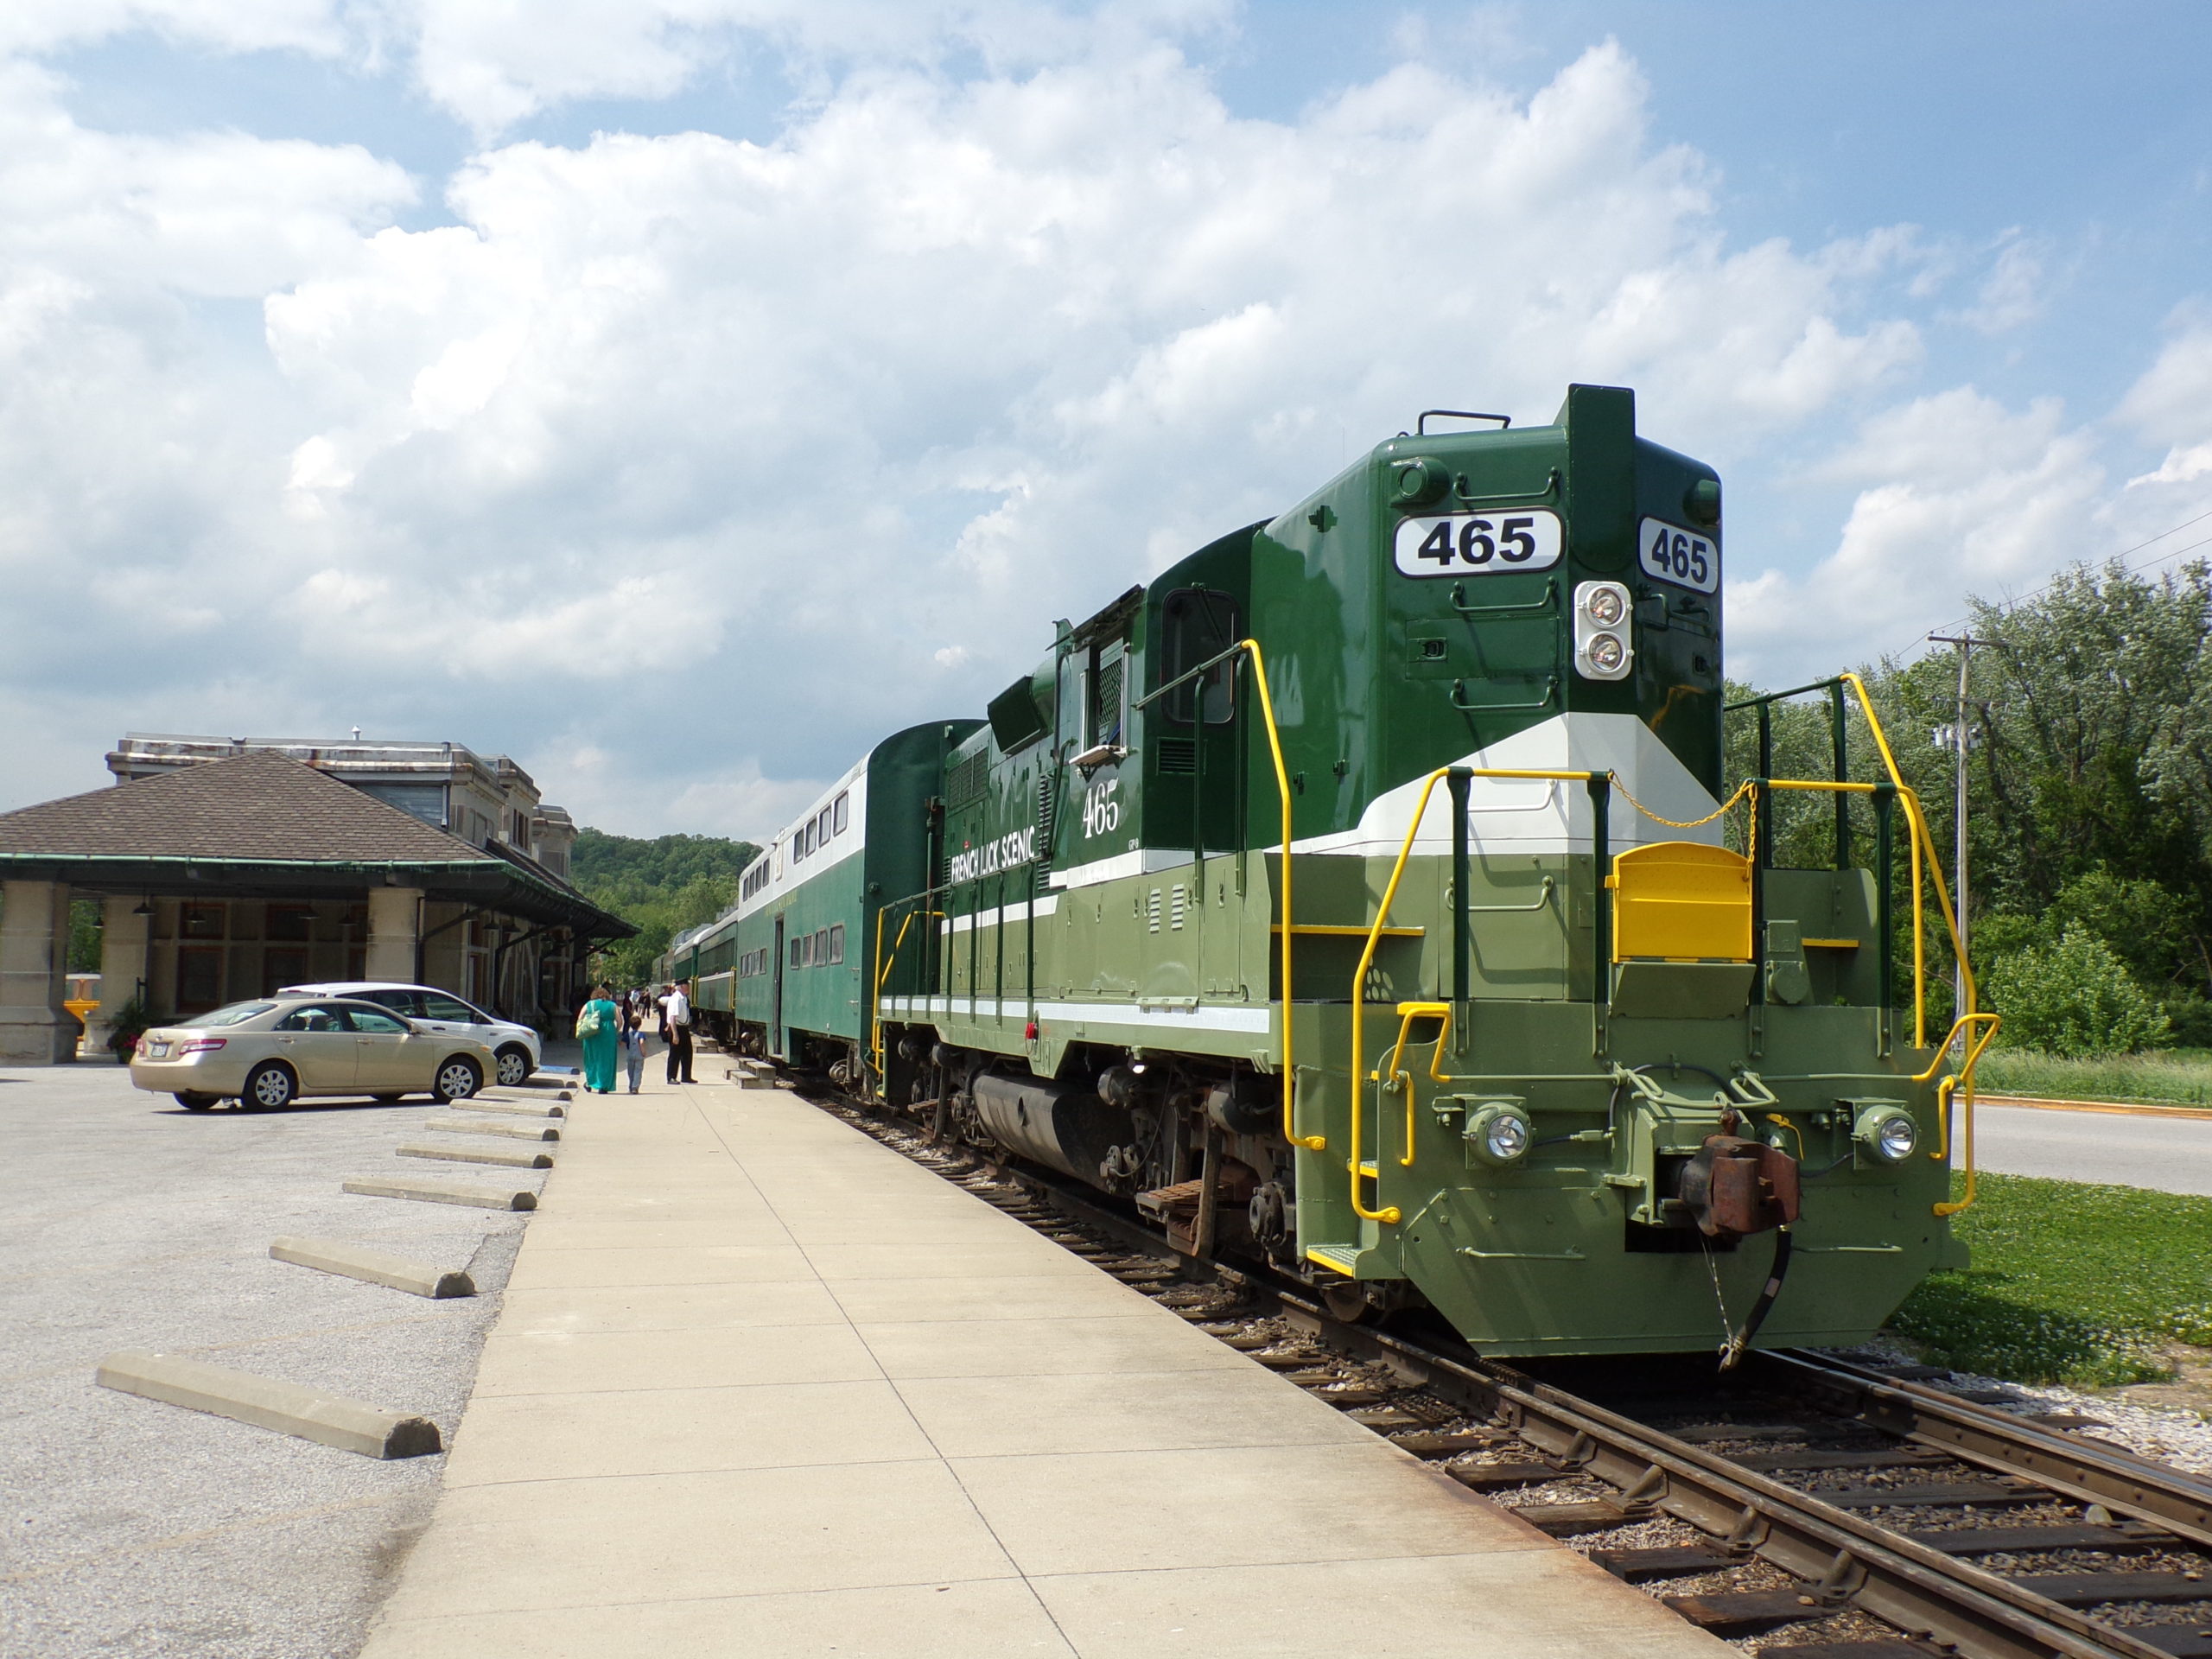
point(761, 1386)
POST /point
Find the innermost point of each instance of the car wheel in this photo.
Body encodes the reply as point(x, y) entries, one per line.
point(514, 1067)
point(193, 1101)
point(268, 1088)
point(458, 1078)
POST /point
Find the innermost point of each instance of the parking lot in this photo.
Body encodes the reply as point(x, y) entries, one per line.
point(132, 1527)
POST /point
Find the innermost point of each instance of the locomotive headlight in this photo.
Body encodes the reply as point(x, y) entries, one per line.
point(1602, 651)
point(1500, 1135)
point(1888, 1132)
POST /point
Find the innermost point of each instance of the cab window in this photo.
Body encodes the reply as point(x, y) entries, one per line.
point(1197, 624)
point(311, 1019)
point(376, 1021)
point(446, 1007)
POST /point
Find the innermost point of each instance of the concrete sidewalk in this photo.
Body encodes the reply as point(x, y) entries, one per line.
point(762, 1387)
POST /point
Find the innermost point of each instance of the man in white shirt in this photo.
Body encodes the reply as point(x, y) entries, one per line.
point(677, 1007)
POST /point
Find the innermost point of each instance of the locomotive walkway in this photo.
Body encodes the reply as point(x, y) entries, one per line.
point(762, 1386)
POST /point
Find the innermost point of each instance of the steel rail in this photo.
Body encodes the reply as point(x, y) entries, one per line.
point(1847, 1559)
point(2083, 1469)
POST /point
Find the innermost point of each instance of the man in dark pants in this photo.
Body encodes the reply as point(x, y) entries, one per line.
point(678, 1010)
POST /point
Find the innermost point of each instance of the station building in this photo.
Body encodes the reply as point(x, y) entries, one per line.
point(227, 868)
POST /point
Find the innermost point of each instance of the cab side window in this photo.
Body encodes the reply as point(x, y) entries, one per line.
point(311, 1020)
point(447, 1007)
point(398, 1002)
point(371, 1020)
point(1197, 624)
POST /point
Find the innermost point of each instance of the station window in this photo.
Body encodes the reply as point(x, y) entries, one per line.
point(840, 808)
point(837, 943)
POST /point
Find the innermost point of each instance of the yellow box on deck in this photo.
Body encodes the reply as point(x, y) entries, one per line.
point(1681, 901)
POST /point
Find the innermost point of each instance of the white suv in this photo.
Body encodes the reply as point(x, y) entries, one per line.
point(515, 1047)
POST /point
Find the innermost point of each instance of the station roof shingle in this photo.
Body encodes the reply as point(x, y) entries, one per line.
point(252, 815)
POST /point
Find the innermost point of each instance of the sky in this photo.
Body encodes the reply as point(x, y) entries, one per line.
point(678, 394)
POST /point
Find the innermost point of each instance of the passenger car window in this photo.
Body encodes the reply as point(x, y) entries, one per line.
point(311, 1019)
point(433, 1007)
point(398, 1002)
point(371, 1020)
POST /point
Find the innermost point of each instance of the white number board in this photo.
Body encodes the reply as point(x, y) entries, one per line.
point(1477, 544)
point(1672, 554)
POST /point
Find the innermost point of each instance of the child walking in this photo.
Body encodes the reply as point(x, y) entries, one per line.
point(633, 1043)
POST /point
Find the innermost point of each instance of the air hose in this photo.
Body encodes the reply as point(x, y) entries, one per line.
point(1732, 1351)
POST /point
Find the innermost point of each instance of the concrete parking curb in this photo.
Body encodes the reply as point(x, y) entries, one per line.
point(513, 1108)
point(372, 1267)
point(479, 1197)
point(512, 1131)
point(287, 1408)
point(484, 1155)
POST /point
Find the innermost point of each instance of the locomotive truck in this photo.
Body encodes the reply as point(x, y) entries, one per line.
point(1356, 895)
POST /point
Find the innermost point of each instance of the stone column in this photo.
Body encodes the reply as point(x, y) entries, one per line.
point(35, 1028)
point(395, 922)
point(124, 935)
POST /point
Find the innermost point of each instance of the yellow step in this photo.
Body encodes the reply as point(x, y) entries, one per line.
point(1338, 1258)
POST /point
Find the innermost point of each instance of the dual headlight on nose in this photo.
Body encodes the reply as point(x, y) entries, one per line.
point(1602, 648)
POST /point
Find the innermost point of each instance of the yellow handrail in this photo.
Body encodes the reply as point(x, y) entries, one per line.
point(883, 976)
point(1360, 1077)
point(1409, 1011)
point(1311, 1142)
point(1391, 1213)
point(1961, 1084)
point(1968, 1016)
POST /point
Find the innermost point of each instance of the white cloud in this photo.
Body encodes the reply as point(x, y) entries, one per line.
point(786, 443)
point(2013, 293)
point(1956, 495)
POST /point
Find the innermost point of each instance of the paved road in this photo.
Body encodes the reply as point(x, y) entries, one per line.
point(131, 1528)
point(2170, 1154)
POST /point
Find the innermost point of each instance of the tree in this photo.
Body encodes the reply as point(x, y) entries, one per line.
point(665, 885)
point(2089, 779)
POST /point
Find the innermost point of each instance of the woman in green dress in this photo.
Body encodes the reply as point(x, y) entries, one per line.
point(600, 1027)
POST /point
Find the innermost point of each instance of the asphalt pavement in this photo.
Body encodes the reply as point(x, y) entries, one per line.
point(131, 1528)
point(2168, 1155)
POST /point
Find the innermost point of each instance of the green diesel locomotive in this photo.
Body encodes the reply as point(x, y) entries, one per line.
point(1356, 895)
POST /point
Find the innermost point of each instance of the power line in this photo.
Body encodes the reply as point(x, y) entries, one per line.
point(2149, 564)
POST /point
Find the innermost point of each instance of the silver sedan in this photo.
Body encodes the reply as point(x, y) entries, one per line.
point(270, 1052)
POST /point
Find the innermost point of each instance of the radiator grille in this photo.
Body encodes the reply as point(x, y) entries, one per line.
point(964, 784)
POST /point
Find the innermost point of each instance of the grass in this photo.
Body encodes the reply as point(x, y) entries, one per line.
point(2179, 1076)
point(2071, 1283)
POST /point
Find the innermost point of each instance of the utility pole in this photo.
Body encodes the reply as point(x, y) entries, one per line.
point(1960, 744)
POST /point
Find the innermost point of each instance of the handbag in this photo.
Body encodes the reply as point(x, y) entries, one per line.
point(587, 1022)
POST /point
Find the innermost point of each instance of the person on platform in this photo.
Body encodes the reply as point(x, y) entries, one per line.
point(599, 1026)
point(634, 1041)
point(679, 1007)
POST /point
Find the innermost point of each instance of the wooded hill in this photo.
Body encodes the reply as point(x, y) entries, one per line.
point(665, 885)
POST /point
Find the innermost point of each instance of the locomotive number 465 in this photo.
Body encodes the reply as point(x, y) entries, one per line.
point(1477, 544)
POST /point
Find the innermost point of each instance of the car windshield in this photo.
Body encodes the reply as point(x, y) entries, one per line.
point(237, 1014)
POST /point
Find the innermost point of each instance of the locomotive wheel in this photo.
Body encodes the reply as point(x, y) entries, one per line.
point(1345, 1299)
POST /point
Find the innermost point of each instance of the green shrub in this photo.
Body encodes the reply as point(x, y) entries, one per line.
point(2075, 999)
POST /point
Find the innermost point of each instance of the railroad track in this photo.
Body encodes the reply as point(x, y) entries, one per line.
point(1805, 1506)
